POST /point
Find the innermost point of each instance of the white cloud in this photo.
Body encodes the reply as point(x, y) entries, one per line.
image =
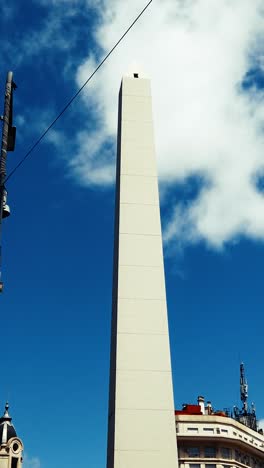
point(196, 53)
point(91, 166)
point(56, 30)
point(31, 462)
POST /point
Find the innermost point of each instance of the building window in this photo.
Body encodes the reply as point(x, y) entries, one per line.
point(15, 447)
point(14, 462)
point(192, 429)
point(225, 452)
point(208, 429)
point(210, 452)
point(194, 465)
point(246, 460)
point(226, 431)
point(193, 452)
point(211, 465)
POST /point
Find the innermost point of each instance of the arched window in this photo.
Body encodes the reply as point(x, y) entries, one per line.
point(14, 462)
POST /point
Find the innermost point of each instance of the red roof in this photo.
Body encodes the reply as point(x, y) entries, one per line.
point(189, 409)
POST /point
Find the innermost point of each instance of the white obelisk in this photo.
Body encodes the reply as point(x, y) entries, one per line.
point(141, 426)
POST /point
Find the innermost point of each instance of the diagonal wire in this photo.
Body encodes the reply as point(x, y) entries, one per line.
point(75, 95)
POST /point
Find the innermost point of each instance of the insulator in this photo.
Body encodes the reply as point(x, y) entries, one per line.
point(6, 209)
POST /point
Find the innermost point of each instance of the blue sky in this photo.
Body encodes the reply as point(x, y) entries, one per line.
point(206, 65)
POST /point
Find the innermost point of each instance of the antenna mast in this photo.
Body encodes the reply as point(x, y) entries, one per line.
point(243, 389)
point(246, 415)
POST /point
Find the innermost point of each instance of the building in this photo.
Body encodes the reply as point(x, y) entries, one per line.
point(214, 440)
point(11, 447)
point(141, 422)
point(219, 439)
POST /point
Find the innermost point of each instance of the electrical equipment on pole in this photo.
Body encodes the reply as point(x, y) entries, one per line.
point(8, 144)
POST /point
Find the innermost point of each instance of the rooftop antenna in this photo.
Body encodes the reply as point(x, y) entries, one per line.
point(246, 415)
point(243, 389)
point(8, 144)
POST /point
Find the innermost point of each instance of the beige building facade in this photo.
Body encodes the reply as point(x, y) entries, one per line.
point(141, 426)
point(217, 441)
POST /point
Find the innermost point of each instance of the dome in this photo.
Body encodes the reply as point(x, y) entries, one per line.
point(7, 430)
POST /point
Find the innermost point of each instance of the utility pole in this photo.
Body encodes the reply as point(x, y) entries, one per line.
point(8, 144)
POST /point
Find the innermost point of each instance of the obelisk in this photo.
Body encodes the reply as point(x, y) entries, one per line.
point(141, 425)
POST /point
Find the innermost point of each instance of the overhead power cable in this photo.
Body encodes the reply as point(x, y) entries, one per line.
point(30, 151)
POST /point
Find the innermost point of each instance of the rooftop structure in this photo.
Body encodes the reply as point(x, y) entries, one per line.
point(11, 447)
point(245, 415)
point(209, 438)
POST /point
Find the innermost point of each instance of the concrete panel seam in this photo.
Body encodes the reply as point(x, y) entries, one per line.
point(136, 265)
point(142, 334)
point(139, 234)
point(139, 451)
point(143, 370)
point(139, 175)
point(139, 204)
point(159, 410)
point(144, 298)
